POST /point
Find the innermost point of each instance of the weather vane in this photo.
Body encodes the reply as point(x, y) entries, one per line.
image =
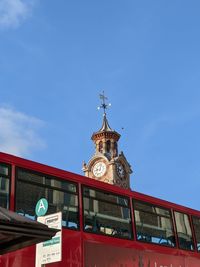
point(103, 103)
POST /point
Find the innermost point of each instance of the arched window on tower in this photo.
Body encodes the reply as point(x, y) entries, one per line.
point(108, 145)
point(101, 146)
point(115, 149)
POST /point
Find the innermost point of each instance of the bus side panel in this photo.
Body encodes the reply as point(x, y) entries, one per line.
point(21, 257)
point(71, 253)
point(103, 255)
point(192, 262)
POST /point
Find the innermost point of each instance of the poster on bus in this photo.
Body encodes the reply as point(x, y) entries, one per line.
point(50, 250)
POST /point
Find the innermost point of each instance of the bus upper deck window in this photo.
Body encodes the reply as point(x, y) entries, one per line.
point(153, 224)
point(184, 231)
point(196, 224)
point(4, 185)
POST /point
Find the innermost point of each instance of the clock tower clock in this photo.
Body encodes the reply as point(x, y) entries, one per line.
point(107, 165)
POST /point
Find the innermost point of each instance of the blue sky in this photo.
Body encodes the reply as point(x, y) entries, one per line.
point(57, 56)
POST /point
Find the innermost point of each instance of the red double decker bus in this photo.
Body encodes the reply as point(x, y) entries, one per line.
point(102, 225)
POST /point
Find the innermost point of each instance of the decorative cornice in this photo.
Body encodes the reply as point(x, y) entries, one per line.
point(108, 135)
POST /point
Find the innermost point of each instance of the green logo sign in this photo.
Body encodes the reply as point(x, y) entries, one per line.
point(53, 241)
point(41, 207)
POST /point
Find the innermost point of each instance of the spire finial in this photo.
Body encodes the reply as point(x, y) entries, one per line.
point(103, 103)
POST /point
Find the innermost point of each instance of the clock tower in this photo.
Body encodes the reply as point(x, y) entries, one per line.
point(107, 165)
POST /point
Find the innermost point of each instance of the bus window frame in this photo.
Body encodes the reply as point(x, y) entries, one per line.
point(191, 227)
point(9, 177)
point(132, 238)
point(49, 176)
point(194, 233)
point(156, 206)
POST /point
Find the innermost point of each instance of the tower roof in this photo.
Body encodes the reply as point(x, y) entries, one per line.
point(105, 126)
point(105, 131)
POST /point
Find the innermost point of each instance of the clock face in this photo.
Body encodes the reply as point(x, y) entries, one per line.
point(120, 170)
point(99, 169)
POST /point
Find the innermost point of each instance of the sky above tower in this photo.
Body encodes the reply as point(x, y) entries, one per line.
point(56, 57)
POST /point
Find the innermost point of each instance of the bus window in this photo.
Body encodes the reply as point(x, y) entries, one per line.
point(60, 194)
point(184, 231)
point(106, 213)
point(196, 224)
point(4, 185)
point(153, 224)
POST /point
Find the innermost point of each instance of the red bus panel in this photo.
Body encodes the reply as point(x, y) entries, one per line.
point(104, 255)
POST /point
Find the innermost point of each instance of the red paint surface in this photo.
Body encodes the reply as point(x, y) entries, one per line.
point(104, 255)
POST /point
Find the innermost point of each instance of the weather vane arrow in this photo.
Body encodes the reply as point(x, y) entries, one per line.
point(103, 103)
